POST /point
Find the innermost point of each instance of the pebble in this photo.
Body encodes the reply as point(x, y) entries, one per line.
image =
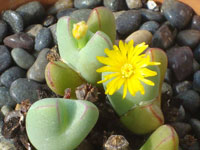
point(128, 22)
point(167, 89)
point(195, 123)
point(22, 89)
point(115, 5)
point(49, 20)
point(190, 100)
point(163, 38)
point(151, 26)
point(31, 12)
point(196, 66)
point(197, 53)
point(43, 39)
point(177, 13)
point(53, 33)
point(140, 36)
point(181, 114)
point(65, 12)
point(181, 128)
point(5, 109)
point(189, 38)
point(19, 40)
point(5, 98)
point(11, 75)
point(182, 86)
point(180, 60)
point(168, 76)
point(5, 58)
point(151, 15)
point(196, 22)
point(81, 4)
point(37, 70)
point(81, 14)
point(14, 20)
point(134, 4)
point(33, 30)
point(3, 30)
point(60, 5)
point(152, 5)
point(22, 58)
point(196, 81)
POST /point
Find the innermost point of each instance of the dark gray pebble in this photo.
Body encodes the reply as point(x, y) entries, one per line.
point(196, 22)
point(168, 76)
point(197, 53)
point(115, 5)
point(151, 15)
point(128, 22)
point(189, 38)
point(196, 81)
point(31, 12)
point(163, 37)
point(86, 3)
point(5, 58)
point(181, 128)
point(151, 26)
point(14, 20)
point(53, 33)
point(3, 30)
point(49, 20)
point(195, 123)
point(22, 58)
point(19, 40)
point(43, 39)
point(65, 12)
point(182, 86)
point(190, 100)
point(11, 75)
point(81, 14)
point(180, 60)
point(177, 13)
point(5, 98)
point(22, 89)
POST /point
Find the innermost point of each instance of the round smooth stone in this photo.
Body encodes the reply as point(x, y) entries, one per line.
point(195, 123)
point(22, 58)
point(22, 89)
point(86, 3)
point(128, 22)
point(140, 36)
point(3, 30)
point(43, 39)
point(65, 12)
point(5, 58)
point(197, 53)
point(115, 5)
point(181, 128)
point(14, 20)
point(19, 40)
point(49, 20)
point(151, 26)
point(196, 22)
point(134, 4)
point(33, 30)
point(81, 14)
point(5, 98)
point(37, 70)
point(53, 33)
point(11, 75)
point(31, 12)
point(196, 81)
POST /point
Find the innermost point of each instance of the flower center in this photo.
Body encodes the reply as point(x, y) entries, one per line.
point(79, 30)
point(127, 70)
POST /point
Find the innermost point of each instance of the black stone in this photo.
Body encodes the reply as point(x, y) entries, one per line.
point(151, 15)
point(197, 53)
point(181, 128)
point(196, 81)
point(195, 123)
point(196, 22)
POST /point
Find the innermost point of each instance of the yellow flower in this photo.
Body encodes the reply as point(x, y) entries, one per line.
point(126, 65)
point(79, 30)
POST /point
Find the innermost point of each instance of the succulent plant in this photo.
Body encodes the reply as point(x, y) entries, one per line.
point(60, 124)
point(163, 138)
point(146, 76)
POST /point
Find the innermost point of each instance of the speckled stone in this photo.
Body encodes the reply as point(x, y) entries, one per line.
point(43, 39)
point(86, 3)
point(189, 38)
point(22, 58)
point(19, 40)
point(177, 13)
point(31, 12)
point(14, 20)
point(5, 58)
point(5, 98)
point(81, 14)
point(180, 60)
point(3, 30)
point(151, 26)
point(11, 75)
point(128, 22)
point(115, 5)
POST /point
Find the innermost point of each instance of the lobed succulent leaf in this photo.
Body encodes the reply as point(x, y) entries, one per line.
point(56, 123)
point(60, 76)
